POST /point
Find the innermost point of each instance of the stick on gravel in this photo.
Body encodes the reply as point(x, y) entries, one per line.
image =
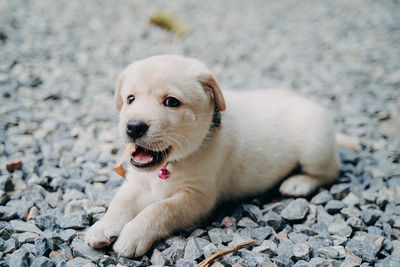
point(219, 254)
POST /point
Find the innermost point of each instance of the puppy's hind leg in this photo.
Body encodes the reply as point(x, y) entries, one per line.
point(318, 159)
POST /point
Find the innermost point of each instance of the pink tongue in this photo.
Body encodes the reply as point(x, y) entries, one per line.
point(140, 157)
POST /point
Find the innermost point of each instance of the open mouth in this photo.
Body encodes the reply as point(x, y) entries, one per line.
point(143, 157)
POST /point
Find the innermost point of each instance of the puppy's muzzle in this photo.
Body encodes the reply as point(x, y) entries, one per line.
point(136, 129)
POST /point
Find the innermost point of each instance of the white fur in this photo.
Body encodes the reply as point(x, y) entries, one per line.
point(263, 136)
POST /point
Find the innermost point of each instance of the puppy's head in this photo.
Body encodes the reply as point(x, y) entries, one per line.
point(166, 106)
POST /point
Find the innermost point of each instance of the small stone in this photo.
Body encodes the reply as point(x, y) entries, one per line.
point(261, 233)
point(217, 264)
point(370, 216)
point(247, 222)
point(43, 246)
point(77, 205)
point(390, 261)
point(350, 212)
point(209, 250)
point(253, 211)
point(272, 219)
point(370, 196)
point(339, 191)
point(48, 222)
point(184, 263)
point(192, 250)
point(107, 261)
point(78, 220)
point(352, 260)
point(328, 252)
point(129, 263)
point(33, 213)
point(7, 213)
point(304, 229)
point(6, 183)
point(268, 247)
point(14, 165)
point(79, 261)
point(229, 222)
point(10, 246)
point(334, 206)
point(27, 237)
point(361, 249)
point(157, 258)
point(302, 263)
point(301, 251)
point(317, 262)
point(68, 235)
point(298, 237)
point(53, 198)
point(21, 226)
point(3, 197)
point(283, 261)
point(80, 249)
point(351, 199)
point(19, 258)
point(339, 228)
point(321, 198)
point(43, 262)
point(285, 248)
point(253, 258)
point(355, 223)
point(296, 210)
point(218, 235)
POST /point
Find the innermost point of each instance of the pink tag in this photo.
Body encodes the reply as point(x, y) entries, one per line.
point(163, 173)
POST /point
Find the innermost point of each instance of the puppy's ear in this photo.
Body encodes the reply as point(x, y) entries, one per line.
point(209, 84)
point(117, 94)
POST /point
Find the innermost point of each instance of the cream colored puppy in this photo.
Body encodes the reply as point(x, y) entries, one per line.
point(168, 109)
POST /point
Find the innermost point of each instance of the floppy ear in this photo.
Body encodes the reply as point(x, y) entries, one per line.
point(117, 94)
point(209, 84)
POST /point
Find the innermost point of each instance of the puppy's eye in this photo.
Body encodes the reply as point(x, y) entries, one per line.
point(172, 102)
point(130, 99)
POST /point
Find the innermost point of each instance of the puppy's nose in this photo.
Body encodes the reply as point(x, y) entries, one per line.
point(136, 129)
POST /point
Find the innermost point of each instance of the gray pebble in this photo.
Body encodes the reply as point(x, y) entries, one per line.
point(80, 249)
point(340, 228)
point(283, 261)
point(218, 235)
point(43, 262)
point(362, 250)
point(321, 198)
point(301, 251)
point(21, 226)
point(340, 191)
point(79, 261)
point(334, 206)
point(19, 258)
point(296, 210)
point(272, 219)
point(328, 252)
point(370, 216)
point(247, 222)
point(78, 220)
point(7, 213)
point(193, 251)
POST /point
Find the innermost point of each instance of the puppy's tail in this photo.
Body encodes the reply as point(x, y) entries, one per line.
point(348, 142)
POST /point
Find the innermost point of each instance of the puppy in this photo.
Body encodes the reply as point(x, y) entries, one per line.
point(173, 111)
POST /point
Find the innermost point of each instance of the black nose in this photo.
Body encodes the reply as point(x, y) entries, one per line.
point(136, 129)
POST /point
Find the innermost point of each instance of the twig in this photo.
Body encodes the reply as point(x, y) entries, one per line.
point(221, 253)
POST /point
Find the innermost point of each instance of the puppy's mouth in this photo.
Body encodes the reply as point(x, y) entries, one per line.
point(145, 158)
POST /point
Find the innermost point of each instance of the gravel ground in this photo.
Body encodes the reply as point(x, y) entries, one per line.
point(58, 140)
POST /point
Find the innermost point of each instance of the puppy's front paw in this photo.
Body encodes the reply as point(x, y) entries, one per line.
point(133, 241)
point(103, 233)
point(299, 185)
